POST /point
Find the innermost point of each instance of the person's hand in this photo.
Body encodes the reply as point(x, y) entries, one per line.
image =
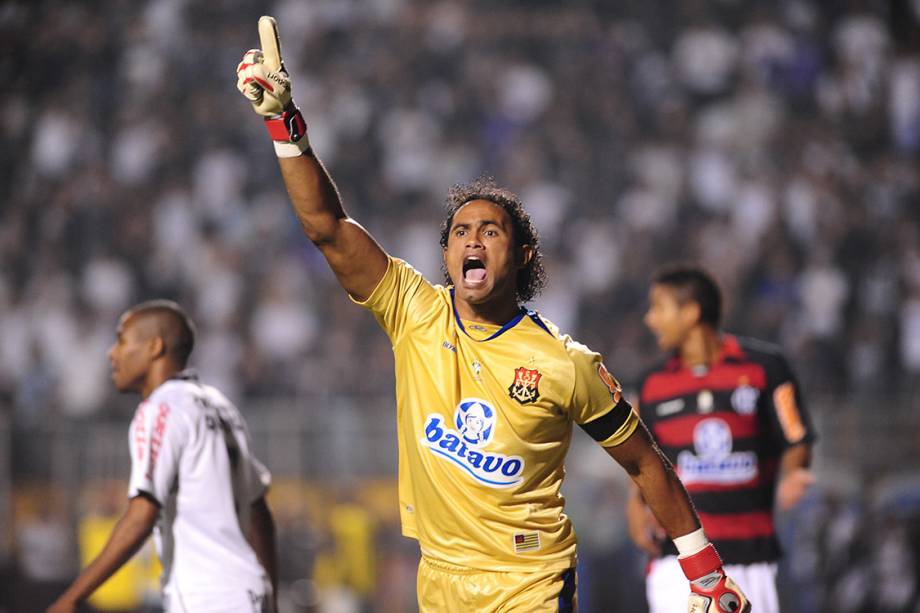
point(62, 606)
point(645, 531)
point(261, 76)
point(721, 596)
point(792, 487)
point(264, 82)
point(711, 591)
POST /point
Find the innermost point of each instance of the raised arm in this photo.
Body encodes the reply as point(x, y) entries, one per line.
point(354, 256)
point(128, 535)
point(710, 590)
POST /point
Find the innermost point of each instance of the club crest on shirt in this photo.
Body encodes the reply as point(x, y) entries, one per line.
point(474, 420)
point(525, 388)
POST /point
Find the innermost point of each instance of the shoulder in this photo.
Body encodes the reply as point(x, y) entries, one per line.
point(576, 351)
point(762, 352)
point(178, 395)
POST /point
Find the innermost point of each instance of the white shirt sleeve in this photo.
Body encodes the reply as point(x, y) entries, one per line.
point(156, 439)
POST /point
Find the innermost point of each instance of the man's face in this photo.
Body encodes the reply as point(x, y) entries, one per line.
point(480, 252)
point(131, 355)
point(474, 423)
point(668, 319)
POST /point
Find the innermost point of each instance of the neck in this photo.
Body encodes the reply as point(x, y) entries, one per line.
point(497, 312)
point(159, 372)
point(701, 347)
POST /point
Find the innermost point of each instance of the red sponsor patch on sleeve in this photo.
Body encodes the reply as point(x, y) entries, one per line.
point(156, 437)
point(616, 390)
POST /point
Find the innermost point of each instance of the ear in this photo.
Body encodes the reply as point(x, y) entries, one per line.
point(691, 313)
point(157, 347)
point(525, 255)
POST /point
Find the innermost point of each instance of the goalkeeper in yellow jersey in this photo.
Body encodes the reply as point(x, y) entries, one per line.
point(487, 391)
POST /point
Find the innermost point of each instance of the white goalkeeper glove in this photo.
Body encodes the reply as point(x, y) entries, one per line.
point(711, 591)
point(263, 80)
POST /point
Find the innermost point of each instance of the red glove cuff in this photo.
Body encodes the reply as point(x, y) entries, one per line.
point(701, 563)
point(289, 127)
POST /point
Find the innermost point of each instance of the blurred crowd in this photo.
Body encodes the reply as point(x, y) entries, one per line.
point(775, 143)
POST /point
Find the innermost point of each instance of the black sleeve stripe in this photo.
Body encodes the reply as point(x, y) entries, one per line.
point(604, 426)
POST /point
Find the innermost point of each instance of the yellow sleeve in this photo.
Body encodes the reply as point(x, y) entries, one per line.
point(402, 297)
point(598, 404)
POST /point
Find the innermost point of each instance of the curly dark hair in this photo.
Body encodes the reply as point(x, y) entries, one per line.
point(530, 279)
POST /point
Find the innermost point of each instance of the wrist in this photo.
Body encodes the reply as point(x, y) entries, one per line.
point(701, 564)
point(288, 132)
point(691, 543)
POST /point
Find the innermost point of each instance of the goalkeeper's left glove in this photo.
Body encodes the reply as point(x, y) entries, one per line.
point(263, 80)
point(711, 591)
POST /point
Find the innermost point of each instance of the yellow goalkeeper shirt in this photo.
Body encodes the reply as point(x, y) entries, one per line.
point(485, 419)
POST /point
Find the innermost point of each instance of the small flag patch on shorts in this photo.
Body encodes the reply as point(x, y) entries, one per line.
point(526, 541)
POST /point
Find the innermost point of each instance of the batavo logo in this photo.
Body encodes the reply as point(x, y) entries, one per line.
point(474, 420)
point(525, 388)
point(714, 460)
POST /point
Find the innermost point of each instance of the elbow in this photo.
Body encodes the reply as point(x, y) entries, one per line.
point(321, 230)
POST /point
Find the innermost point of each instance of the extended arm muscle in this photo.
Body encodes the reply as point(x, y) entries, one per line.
point(354, 256)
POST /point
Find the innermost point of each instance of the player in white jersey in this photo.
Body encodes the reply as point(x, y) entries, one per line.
point(193, 479)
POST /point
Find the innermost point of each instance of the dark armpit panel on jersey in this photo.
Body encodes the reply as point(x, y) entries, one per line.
point(604, 426)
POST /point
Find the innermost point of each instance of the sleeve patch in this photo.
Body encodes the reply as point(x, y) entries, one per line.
point(616, 390)
point(156, 438)
point(787, 411)
point(607, 424)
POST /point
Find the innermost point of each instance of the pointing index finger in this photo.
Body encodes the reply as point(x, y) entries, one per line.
point(270, 41)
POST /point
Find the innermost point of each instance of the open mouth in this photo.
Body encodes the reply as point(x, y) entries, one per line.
point(474, 270)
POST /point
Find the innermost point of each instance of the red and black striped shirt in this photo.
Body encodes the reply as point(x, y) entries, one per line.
point(725, 428)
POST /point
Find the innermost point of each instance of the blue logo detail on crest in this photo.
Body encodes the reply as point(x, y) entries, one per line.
point(475, 422)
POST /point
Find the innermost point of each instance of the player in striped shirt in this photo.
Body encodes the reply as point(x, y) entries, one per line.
point(728, 413)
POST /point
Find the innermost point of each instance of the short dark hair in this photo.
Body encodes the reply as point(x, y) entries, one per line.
point(172, 324)
point(693, 284)
point(530, 279)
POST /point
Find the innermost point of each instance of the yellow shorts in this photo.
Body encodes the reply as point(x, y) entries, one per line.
point(447, 588)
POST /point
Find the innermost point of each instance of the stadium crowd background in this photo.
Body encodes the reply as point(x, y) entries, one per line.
point(775, 143)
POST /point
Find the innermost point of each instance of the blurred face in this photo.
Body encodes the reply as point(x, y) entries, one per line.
point(667, 318)
point(131, 355)
point(480, 256)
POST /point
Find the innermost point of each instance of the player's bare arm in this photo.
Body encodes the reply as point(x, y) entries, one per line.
point(262, 539)
point(127, 537)
point(357, 260)
point(656, 482)
point(644, 529)
point(354, 256)
point(711, 591)
point(794, 476)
